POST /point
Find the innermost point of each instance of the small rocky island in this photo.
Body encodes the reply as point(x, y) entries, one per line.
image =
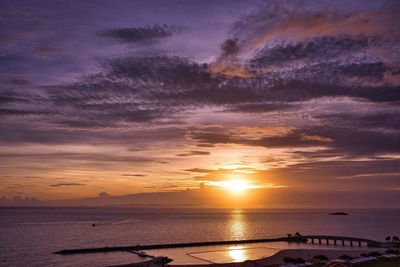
point(338, 213)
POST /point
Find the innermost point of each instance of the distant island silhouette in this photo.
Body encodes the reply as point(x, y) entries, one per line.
point(338, 213)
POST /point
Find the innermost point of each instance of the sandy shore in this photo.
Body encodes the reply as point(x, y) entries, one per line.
point(308, 254)
point(277, 258)
point(274, 260)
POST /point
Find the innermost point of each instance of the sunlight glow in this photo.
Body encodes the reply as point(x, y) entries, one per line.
point(236, 186)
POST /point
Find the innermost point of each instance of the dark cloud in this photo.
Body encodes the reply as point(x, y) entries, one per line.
point(33, 177)
point(160, 70)
point(193, 84)
point(212, 137)
point(193, 153)
point(229, 47)
point(69, 156)
point(205, 145)
point(19, 186)
point(18, 81)
point(310, 49)
point(295, 20)
point(360, 142)
point(142, 34)
point(147, 89)
point(7, 112)
point(296, 138)
point(261, 107)
point(343, 174)
point(46, 52)
point(383, 120)
point(25, 132)
point(10, 97)
point(336, 140)
point(67, 184)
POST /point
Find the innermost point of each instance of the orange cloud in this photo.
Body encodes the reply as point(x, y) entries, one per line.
point(230, 69)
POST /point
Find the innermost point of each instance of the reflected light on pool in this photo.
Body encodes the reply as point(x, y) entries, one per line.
point(238, 254)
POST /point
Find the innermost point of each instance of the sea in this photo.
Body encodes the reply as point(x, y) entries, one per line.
point(30, 236)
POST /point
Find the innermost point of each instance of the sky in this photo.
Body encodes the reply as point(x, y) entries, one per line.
point(284, 98)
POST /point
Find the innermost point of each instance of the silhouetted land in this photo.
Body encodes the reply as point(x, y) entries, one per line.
point(338, 213)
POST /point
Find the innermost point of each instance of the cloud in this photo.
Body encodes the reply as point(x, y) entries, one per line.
point(67, 184)
point(296, 22)
point(18, 81)
point(9, 97)
point(194, 85)
point(46, 53)
point(142, 90)
point(319, 42)
point(8, 112)
point(326, 75)
point(104, 194)
point(380, 120)
point(359, 174)
point(193, 153)
point(261, 107)
point(296, 138)
point(142, 34)
point(198, 170)
point(229, 48)
point(310, 49)
point(333, 139)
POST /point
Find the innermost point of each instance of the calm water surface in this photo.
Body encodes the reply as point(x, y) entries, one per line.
point(30, 235)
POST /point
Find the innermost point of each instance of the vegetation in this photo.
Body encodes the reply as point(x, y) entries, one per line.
point(393, 251)
point(394, 239)
point(346, 257)
point(296, 237)
point(321, 257)
point(293, 260)
point(371, 254)
point(391, 263)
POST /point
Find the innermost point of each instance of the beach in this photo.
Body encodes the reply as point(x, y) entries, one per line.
point(275, 259)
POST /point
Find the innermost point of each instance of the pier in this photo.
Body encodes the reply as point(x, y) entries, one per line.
point(341, 240)
point(334, 240)
point(161, 246)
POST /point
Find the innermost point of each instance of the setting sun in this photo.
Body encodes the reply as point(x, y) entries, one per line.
point(236, 186)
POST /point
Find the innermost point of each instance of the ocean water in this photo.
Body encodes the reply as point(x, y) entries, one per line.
point(29, 236)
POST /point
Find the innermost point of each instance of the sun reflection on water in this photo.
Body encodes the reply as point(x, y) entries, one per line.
point(237, 225)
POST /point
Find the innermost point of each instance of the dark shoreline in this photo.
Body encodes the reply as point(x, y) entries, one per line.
point(297, 239)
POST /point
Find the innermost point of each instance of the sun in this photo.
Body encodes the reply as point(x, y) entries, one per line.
point(235, 186)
